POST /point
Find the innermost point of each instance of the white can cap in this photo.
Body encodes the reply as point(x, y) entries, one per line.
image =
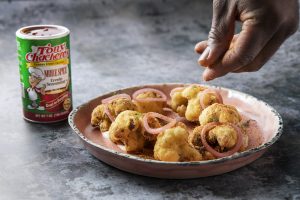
point(61, 31)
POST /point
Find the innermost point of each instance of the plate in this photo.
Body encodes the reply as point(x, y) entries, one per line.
point(267, 118)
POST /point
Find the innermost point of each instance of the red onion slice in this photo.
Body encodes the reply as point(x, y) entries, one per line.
point(174, 115)
point(175, 90)
point(136, 93)
point(217, 154)
point(107, 112)
point(110, 99)
point(209, 91)
point(150, 130)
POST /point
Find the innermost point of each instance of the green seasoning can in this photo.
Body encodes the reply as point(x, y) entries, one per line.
point(45, 72)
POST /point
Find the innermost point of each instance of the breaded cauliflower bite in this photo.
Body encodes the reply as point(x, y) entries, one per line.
point(209, 99)
point(219, 113)
point(193, 109)
point(119, 105)
point(179, 103)
point(222, 137)
point(192, 91)
point(151, 106)
point(194, 140)
point(101, 120)
point(172, 145)
point(186, 102)
point(127, 129)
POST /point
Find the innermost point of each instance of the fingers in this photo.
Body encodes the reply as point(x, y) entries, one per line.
point(222, 30)
point(204, 50)
point(200, 46)
point(263, 56)
point(250, 42)
point(216, 70)
point(266, 53)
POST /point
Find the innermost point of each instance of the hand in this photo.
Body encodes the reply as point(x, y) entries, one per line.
point(265, 26)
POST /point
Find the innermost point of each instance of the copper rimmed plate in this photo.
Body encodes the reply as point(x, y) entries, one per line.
point(267, 118)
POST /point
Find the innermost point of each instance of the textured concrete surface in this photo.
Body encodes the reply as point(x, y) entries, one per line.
point(121, 43)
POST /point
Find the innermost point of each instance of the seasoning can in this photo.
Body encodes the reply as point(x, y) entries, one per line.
point(45, 72)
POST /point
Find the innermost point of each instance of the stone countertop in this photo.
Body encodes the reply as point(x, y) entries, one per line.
point(121, 43)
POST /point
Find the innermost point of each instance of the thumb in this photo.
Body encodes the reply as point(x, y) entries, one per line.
point(221, 33)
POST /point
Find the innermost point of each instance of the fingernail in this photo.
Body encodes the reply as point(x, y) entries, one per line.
point(204, 55)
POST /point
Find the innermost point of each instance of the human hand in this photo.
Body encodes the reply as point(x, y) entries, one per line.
point(265, 26)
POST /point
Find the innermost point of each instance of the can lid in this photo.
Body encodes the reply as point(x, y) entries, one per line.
point(42, 32)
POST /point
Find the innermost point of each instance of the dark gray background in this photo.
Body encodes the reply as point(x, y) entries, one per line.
point(120, 43)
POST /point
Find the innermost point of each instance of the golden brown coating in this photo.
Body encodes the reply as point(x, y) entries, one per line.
point(219, 113)
point(194, 140)
point(179, 103)
point(192, 91)
point(193, 109)
point(209, 99)
point(225, 136)
point(101, 120)
point(151, 106)
point(119, 105)
point(153, 123)
point(186, 102)
point(172, 145)
point(127, 130)
point(222, 137)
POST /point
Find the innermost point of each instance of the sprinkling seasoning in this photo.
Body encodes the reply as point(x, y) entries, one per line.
point(45, 72)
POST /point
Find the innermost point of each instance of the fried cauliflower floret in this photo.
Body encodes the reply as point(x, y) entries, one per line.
point(225, 136)
point(186, 102)
point(101, 120)
point(219, 113)
point(222, 137)
point(192, 91)
point(209, 99)
point(119, 105)
point(172, 145)
point(179, 103)
point(193, 109)
point(127, 130)
point(194, 140)
point(153, 123)
point(151, 106)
